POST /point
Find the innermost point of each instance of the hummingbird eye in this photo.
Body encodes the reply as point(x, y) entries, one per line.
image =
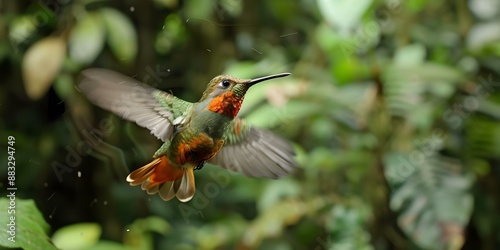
point(225, 83)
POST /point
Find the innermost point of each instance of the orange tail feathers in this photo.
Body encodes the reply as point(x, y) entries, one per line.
point(159, 176)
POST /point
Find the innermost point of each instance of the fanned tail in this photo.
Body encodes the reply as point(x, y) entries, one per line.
point(159, 176)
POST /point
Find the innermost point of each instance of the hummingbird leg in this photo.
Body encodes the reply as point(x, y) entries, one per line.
point(200, 165)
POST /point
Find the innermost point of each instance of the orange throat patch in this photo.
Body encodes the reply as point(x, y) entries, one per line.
point(227, 104)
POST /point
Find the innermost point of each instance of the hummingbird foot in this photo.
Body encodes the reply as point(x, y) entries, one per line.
point(200, 165)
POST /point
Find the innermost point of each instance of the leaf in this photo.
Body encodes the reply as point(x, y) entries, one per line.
point(30, 227)
point(77, 236)
point(343, 13)
point(485, 9)
point(121, 35)
point(483, 33)
point(405, 86)
point(347, 228)
point(432, 198)
point(86, 39)
point(138, 235)
point(41, 64)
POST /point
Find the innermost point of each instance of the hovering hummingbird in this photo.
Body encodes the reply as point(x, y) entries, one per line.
point(193, 133)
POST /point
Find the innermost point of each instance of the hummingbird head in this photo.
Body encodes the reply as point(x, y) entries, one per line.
point(225, 93)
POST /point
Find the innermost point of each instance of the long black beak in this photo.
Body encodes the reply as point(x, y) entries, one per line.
point(265, 78)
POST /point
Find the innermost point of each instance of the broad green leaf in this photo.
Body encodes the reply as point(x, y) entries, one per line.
point(77, 236)
point(343, 13)
point(483, 33)
point(485, 9)
point(86, 39)
point(41, 64)
point(30, 227)
point(138, 235)
point(121, 35)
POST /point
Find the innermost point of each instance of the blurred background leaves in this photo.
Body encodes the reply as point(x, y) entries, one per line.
point(393, 109)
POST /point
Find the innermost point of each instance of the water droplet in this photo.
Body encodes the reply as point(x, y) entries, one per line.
point(163, 27)
point(105, 203)
point(132, 9)
point(79, 174)
point(128, 229)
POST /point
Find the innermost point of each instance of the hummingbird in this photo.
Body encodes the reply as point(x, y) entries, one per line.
point(207, 131)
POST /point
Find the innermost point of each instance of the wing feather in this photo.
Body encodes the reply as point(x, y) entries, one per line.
point(133, 100)
point(255, 152)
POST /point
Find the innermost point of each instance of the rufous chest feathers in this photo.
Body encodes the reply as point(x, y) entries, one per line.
point(227, 103)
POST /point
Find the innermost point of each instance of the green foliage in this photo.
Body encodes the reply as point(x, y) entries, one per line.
point(77, 236)
point(392, 106)
point(87, 39)
point(29, 230)
point(346, 227)
point(432, 198)
point(121, 35)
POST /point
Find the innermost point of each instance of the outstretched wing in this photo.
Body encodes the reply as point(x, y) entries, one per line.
point(151, 108)
point(255, 152)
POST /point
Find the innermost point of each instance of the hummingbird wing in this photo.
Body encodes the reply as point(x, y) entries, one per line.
point(151, 108)
point(255, 152)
